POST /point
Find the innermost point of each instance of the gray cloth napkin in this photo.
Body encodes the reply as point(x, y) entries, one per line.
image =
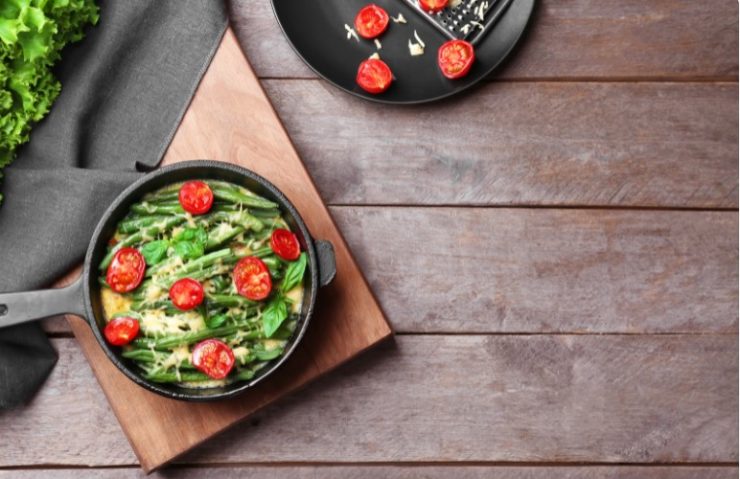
point(125, 88)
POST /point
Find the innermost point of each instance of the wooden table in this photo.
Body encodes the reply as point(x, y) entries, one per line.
point(559, 259)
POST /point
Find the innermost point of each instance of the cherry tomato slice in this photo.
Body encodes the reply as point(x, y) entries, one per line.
point(186, 294)
point(120, 331)
point(371, 21)
point(433, 6)
point(213, 357)
point(455, 58)
point(252, 278)
point(285, 244)
point(196, 197)
point(126, 270)
point(374, 76)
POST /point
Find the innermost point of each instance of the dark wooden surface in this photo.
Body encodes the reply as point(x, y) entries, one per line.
point(560, 261)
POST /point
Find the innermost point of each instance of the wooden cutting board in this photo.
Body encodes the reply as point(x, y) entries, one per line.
point(230, 119)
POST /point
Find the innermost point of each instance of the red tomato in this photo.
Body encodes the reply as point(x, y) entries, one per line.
point(121, 331)
point(196, 197)
point(252, 278)
point(455, 58)
point(213, 357)
point(371, 21)
point(126, 270)
point(433, 6)
point(374, 76)
point(186, 294)
point(285, 244)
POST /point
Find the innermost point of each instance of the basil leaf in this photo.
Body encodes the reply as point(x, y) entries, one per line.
point(197, 235)
point(294, 273)
point(273, 315)
point(216, 321)
point(154, 251)
point(189, 249)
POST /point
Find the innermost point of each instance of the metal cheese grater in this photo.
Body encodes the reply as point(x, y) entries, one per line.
point(463, 22)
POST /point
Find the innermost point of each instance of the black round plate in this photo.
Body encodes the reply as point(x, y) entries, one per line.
point(316, 31)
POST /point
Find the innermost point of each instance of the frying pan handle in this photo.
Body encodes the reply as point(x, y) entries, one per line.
point(23, 307)
point(327, 261)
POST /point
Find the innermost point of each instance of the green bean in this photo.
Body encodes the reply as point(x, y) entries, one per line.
point(200, 263)
point(228, 301)
point(168, 342)
point(192, 377)
point(158, 209)
point(138, 222)
point(219, 237)
point(149, 356)
point(162, 196)
point(234, 194)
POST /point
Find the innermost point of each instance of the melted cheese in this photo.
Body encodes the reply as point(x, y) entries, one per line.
point(296, 295)
point(114, 303)
point(156, 322)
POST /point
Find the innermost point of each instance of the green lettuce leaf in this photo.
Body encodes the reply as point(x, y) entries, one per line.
point(32, 36)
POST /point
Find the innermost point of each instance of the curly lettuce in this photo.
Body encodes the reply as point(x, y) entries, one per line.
point(32, 35)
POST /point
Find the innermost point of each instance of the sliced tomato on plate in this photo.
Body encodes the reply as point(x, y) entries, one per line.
point(433, 6)
point(252, 278)
point(186, 294)
point(126, 270)
point(213, 357)
point(374, 76)
point(121, 331)
point(196, 197)
point(371, 21)
point(455, 58)
point(285, 244)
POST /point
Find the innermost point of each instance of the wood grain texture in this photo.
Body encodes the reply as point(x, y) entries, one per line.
point(635, 399)
point(594, 39)
point(234, 122)
point(405, 471)
point(616, 144)
point(494, 270)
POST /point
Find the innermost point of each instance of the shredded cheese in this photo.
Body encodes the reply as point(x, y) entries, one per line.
point(416, 49)
point(401, 19)
point(374, 56)
point(351, 32)
point(378, 45)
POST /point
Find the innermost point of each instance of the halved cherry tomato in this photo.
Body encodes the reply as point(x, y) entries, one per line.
point(252, 278)
point(213, 357)
point(433, 6)
point(455, 58)
point(121, 330)
point(126, 270)
point(285, 244)
point(374, 76)
point(371, 21)
point(196, 197)
point(186, 294)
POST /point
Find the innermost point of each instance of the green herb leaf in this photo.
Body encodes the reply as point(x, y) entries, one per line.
point(32, 35)
point(154, 251)
point(189, 249)
point(294, 273)
point(197, 235)
point(273, 315)
point(216, 321)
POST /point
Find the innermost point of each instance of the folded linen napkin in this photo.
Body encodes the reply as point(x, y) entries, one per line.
point(125, 88)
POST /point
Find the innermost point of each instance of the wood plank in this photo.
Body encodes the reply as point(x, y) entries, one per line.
point(541, 270)
point(628, 39)
point(635, 399)
point(616, 144)
point(235, 122)
point(405, 471)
